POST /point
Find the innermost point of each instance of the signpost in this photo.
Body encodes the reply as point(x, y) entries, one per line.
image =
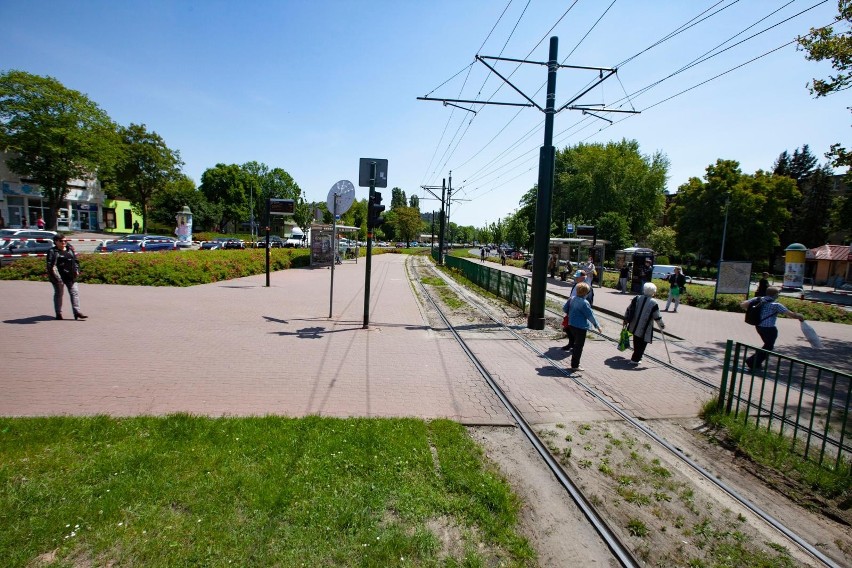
point(340, 198)
point(376, 176)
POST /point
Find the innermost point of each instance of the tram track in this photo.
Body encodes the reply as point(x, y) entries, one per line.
point(623, 554)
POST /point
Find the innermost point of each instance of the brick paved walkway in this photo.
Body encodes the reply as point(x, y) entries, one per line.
point(239, 348)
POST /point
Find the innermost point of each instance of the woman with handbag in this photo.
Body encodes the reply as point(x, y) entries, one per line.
point(579, 317)
point(677, 286)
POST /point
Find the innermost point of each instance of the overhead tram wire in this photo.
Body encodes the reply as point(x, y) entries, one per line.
point(469, 68)
point(698, 60)
point(484, 82)
point(681, 28)
point(695, 20)
point(538, 126)
point(518, 66)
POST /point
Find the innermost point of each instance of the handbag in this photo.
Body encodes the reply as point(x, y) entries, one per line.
point(624, 340)
point(675, 291)
point(565, 322)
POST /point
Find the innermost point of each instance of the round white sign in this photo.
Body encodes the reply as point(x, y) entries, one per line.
point(340, 197)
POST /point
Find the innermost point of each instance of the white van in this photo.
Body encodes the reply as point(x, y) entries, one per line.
point(296, 239)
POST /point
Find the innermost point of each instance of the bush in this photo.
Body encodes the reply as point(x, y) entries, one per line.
point(181, 268)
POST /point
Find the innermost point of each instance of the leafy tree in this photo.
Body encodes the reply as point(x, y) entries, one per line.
point(615, 228)
point(54, 134)
point(756, 205)
point(144, 167)
point(498, 231)
point(824, 44)
point(226, 186)
point(263, 183)
point(407, 223)
point(398, 198)
point(593, 179)
point(414, 201)
point(663, 240)
point(812, 220)
point(516, 232)
point(177, 193)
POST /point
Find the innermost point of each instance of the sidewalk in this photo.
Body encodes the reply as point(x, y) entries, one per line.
point(708, 330)
point(239, 348)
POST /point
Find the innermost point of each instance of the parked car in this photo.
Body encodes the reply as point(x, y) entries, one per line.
point(223, 243)
point(664, 271)
point(139, 243)
point(518, 255)
point(15, 237)
point(274, 242)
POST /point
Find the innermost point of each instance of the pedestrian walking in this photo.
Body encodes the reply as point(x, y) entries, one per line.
point(639, 319)
point(62, 271)
point(482, 254)
point(770, 309)
point(677, 287)
point(762, 285)
point(579, 278)
point(580, 320)
point(503, 257)
point(552, 263)
point(135, 226)
point(622, 278)
point(40, 223)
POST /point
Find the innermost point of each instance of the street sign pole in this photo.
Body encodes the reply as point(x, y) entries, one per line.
point(369, 248)
point(268, 201)
point(335, 253)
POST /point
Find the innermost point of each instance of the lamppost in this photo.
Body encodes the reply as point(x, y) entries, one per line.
point(722, 252)
point(725, 226)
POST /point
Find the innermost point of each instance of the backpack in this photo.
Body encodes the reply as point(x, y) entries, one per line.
point(752, 315)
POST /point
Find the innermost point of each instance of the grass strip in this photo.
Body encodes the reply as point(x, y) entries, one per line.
point(182, 490)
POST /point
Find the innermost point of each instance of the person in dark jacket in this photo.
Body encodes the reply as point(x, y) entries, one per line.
point(623, 275)
point(677, 286)
point(62, 271)
point(639, 320)
point(762, 285)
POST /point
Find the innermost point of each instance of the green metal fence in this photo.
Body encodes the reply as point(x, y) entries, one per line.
point(510, 287)
point(791, 394)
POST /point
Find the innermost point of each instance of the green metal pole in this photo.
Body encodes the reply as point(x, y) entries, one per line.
point(369, 248)
point(546, 165)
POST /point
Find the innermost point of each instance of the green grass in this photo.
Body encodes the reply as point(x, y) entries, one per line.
point(778, 453)
point(181, 491)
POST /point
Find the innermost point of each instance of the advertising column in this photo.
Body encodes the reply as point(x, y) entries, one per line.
point(794, 266)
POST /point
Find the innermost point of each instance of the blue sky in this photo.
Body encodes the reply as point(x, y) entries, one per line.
point(312, 86)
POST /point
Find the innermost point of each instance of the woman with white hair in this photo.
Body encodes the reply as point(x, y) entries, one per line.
point(639, 318)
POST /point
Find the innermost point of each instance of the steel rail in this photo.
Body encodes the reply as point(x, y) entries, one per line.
point(769, 519)
point(612, 541)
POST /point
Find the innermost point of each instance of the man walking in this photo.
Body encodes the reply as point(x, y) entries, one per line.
point(770, 308)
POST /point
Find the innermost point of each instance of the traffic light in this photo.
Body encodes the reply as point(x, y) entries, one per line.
point(374, 218)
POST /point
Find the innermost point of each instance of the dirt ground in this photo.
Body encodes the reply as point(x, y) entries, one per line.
point(660, 507)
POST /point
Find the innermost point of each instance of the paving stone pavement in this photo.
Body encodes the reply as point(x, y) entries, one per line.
point(240, 348)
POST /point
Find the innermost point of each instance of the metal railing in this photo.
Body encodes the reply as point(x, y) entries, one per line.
point(510, 287)
point(791, 394)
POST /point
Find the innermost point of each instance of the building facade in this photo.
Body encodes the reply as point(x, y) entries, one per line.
point(22, 203)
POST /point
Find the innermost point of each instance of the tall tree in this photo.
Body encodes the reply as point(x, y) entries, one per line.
point(407, 223)
point(414, 201)
point(798, 166)
point(516, 231)
point(614, 227)
point(144, 167)
point(826, 44)
point(177, 193)
point(227, 186)
point(756, 207)
point(593, 179)
point(812, 220)
point(398, 198)
point(54, 134)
